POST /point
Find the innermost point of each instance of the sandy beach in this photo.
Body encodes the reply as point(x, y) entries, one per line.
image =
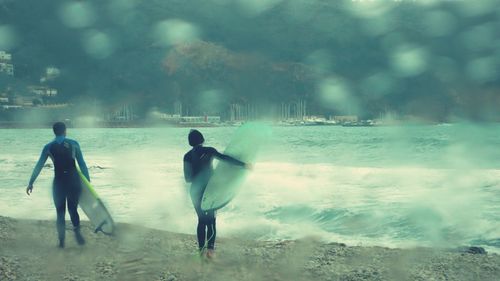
point(28, 252)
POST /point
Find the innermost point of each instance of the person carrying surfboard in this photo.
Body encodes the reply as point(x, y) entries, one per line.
point(66, 187)
point(197, 170)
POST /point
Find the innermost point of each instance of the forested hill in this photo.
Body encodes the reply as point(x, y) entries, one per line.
point(433, 59)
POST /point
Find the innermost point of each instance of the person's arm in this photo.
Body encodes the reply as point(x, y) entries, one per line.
point(81, 161)
point(188, 172)
point(38, 168)
point(228, 159)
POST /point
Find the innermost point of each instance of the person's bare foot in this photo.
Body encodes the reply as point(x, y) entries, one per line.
point(211, 254)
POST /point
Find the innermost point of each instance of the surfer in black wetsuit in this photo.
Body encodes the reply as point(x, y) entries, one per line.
point(197, 171)
point(66, 186)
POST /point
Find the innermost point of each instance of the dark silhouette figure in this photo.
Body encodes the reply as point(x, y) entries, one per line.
point(198, 169)
point(66, 186)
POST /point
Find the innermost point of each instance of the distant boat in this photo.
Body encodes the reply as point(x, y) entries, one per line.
point(363, 123)
point(320, 123)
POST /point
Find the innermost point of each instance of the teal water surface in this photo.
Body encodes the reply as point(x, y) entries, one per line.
point(393, 186)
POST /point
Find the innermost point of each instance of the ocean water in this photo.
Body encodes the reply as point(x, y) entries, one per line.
point(401, 186)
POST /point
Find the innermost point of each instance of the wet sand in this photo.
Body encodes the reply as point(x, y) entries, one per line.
point(28, 252)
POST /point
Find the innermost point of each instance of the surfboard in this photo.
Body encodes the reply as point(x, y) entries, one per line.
point(227, 178)
point(94, 208)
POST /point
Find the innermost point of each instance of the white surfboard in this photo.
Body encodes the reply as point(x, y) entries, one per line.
point(93, 207)
point(228, 178)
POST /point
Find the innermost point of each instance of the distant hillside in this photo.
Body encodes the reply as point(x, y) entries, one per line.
point(427, 59)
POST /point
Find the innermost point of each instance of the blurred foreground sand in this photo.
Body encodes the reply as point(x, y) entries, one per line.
point(28, 252)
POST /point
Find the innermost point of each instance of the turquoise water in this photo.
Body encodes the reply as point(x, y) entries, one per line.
point(391, 186)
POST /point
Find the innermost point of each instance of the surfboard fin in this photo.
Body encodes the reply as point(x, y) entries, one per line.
point(99, 228)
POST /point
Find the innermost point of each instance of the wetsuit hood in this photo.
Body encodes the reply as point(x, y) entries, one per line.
point(195, 138)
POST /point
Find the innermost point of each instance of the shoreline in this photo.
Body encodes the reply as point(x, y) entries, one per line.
point(125, 125)
point(28, 252)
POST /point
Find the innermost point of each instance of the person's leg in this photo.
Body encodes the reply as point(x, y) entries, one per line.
point(201, 228)
point(201, 233)
point(212, 232)
point(73, 208)
point(73, 197)
point(59, 197)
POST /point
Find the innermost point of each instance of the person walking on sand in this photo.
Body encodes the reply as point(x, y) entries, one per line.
point(66, 186)
point(197, 170)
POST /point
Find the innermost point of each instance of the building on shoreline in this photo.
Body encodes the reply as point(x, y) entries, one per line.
point(42, 91)
point(6, 65)
point(13, 98)
point(51, 73)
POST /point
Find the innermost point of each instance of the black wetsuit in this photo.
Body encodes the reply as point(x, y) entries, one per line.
point(197, 170)
point(67, 185)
